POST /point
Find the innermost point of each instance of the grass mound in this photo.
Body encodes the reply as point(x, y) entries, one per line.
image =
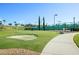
point(76, 39)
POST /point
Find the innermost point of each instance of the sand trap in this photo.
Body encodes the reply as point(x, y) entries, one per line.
point(23, 37)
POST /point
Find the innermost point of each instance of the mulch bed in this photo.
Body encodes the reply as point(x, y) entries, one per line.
point(17, 51)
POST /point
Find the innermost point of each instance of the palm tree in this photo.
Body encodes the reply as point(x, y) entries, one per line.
point(15, 23)
point(0, 22)
point(1, 25)
point(4, 21)
point(22, 24)
point(10, 24)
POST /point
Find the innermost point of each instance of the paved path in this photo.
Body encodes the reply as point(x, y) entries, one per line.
point(61, 45)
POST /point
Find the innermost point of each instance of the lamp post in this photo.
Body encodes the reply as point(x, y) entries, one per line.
point(59, 22)
point(54, 18)
point(74, 21)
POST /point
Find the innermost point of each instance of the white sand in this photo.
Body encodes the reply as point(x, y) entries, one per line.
point(23, 37)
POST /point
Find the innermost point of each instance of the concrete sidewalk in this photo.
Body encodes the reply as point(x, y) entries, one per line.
point(61, 45)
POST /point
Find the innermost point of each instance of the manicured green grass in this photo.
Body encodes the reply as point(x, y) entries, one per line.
point(76, 39)
point(43, 37)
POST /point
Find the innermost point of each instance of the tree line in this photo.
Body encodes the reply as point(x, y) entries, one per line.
point(26, 26)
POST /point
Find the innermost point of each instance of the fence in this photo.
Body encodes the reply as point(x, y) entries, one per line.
point(59, 27)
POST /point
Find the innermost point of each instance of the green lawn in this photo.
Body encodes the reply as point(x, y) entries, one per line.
point(36, 45)
point(76, 39)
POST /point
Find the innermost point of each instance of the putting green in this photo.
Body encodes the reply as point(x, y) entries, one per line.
point(23, 37)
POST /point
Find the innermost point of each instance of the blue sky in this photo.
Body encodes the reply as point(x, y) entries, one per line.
point(28, 13)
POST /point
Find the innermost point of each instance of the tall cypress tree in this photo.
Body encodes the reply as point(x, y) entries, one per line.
point(43, 23)
point(39, 22)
